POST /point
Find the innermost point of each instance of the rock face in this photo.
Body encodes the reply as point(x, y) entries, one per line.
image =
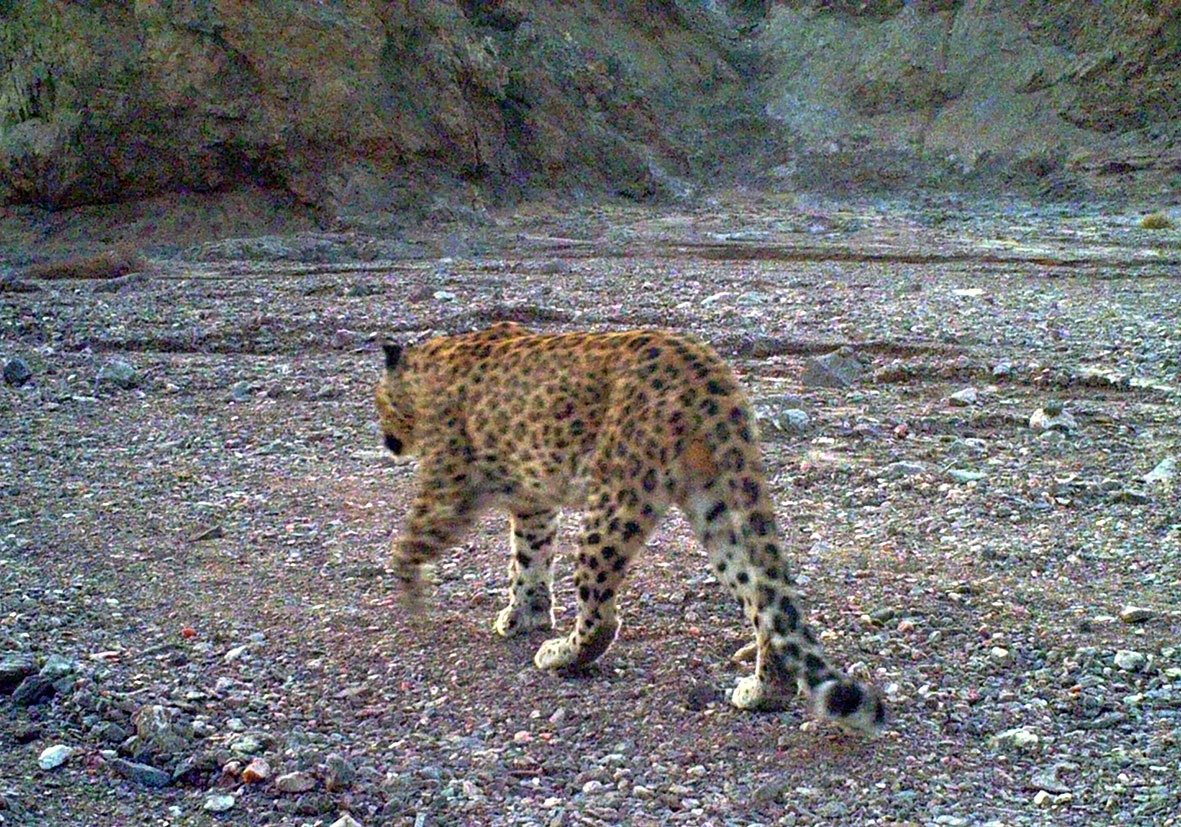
point(363, 110)
point(355, 107)
point(921, 92)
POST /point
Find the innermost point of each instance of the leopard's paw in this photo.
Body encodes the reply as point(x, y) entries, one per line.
point(850, 706)
point(747, 654)
point(557, 653)
point(517, 620)
point(752, 693)
point(578, 650)
point(412, 587)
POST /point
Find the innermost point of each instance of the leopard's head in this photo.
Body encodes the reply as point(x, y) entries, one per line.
point(395, 405)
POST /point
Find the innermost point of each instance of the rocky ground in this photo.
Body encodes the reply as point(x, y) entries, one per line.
point(980, 493)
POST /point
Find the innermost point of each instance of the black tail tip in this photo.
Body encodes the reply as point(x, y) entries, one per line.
point(851, 707)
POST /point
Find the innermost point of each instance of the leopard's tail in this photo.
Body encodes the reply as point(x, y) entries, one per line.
point(726, 499)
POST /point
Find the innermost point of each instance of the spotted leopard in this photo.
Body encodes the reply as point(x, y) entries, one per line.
point(623, 424)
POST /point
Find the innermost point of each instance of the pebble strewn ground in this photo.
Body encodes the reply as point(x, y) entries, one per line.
point(971, 418)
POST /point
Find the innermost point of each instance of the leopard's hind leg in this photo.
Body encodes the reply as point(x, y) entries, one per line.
point(615, 526)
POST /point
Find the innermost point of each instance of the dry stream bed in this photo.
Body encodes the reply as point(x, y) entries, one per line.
point(194, 513)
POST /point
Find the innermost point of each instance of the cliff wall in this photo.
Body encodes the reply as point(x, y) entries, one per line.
point(362, 110)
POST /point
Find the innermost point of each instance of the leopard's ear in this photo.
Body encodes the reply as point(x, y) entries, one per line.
point(393, 355)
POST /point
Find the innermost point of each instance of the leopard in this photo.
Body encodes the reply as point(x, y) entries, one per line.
point(624, 424)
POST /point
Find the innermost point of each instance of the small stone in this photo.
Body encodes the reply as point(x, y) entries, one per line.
point(1021, 739)
point(144, 774)
point(961, 475)
point(1135, 614)
point(295, 782)
point(791, 420)
point(241, 391)
point(1165, 471)
point(1001, 655)
point(17, 372)
point(444, 296)
point(838, 369)
point(1052, 417)
point(118, 373)
point(346, 820)
point(256, 771)
point(53, 757)
point(219, 803)
point(1002, 369)
point(339, 772)
point(14, 668)
point(1130, 661)
point(1043, 799)
point(963, 398)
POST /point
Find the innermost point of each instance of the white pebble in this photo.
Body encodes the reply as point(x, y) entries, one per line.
point(219, 803)
point(1135, 614)
point(965, 397)
point(1020, 738)
point(1130, 661)
point(53, 757)
point(234, 654)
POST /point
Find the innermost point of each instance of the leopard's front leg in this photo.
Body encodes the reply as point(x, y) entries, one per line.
point(442, 510)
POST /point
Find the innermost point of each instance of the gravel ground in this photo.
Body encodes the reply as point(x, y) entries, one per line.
point(196, 627)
